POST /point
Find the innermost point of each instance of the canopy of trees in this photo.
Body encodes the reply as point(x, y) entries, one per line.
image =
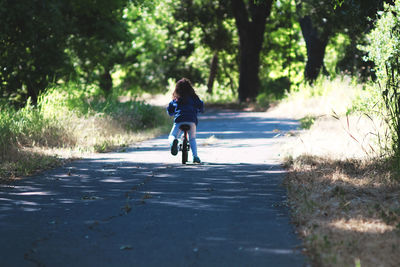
point(245, 46)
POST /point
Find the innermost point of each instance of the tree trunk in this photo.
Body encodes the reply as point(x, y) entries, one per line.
point(35, 88)
point(33, 94)
point(106, 82)
point(316, 44)
point(213, 73)
point(249, 82)
point(250, 22)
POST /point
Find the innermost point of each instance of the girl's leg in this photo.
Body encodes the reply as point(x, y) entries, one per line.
point(173, 142)
point(174, 133)
point(192, 139)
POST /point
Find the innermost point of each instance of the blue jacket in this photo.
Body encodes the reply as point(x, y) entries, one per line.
point(185, 110)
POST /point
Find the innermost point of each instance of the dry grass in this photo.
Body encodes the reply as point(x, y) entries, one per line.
point(348, 137)
point(323, 99)
point(74, 137)
point(345, 211)
point(344, 199)
point(105, 133)
point(26, 161)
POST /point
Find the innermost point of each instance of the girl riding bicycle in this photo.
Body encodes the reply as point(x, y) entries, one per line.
point(184, 106)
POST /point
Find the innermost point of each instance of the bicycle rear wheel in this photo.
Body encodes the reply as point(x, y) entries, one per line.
point(184, 151)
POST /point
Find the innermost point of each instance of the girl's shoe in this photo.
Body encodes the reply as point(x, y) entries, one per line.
point(196, 160)
point(174, 147)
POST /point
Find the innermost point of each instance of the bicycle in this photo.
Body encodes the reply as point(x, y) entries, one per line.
point(184, 145)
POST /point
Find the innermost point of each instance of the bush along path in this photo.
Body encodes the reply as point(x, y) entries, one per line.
point(142, 207)
point(67, 123)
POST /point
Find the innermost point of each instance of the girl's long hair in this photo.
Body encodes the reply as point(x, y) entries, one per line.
point(183, 89)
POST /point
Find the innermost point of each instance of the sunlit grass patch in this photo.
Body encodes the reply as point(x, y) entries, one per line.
point(348, 137)
point(323, 98)
point(362, 226)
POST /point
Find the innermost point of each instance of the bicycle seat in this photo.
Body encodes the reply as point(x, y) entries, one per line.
point(184, 127)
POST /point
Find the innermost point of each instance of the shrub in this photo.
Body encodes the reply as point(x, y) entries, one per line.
point(69, 117)
point(384, 51)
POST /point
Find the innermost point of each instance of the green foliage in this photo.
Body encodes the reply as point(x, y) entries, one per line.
point(284, 53)
point(137, 46)
point(67, 116)
point(44, 41)
point(25, 127)
point(31, 44)
point(335, 52)
point(307, 122)
point(147, 59)
point(213, 32)
point(220, 95)
point(384, 51)
point(352, 19)
point(174, 39)
point(265, 99)
point(61, 102)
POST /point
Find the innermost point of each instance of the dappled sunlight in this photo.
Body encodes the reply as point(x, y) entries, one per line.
point(227, 201)
point(113, 180)
point(261, 250)
point(362, 225)
point(67, 201)
point(33, 193)
point(212, 191)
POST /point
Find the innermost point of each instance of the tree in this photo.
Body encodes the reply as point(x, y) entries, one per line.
point(98, 39)
point(158, 47)
point(283, 54)
point(321, 20)
point(210, 17)
point(250, 22)
point(316, 42)
point(44, 41)
point(32, 41)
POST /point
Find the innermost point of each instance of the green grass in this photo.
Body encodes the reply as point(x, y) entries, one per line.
point(69, 118)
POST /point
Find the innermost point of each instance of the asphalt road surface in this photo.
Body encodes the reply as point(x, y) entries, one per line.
point(142, 207)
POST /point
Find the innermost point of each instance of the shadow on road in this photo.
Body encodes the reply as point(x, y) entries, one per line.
point(223, 212)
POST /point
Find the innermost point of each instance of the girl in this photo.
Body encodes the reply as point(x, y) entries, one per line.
point(184, 107)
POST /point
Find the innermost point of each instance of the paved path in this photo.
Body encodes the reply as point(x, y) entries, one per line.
point(143, 208)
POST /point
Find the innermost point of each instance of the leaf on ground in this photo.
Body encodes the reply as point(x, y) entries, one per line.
point(125, 247)
point(127, 208)
point(210, 141)
point(147, 196)
point(86, 197)
point(290, 133)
